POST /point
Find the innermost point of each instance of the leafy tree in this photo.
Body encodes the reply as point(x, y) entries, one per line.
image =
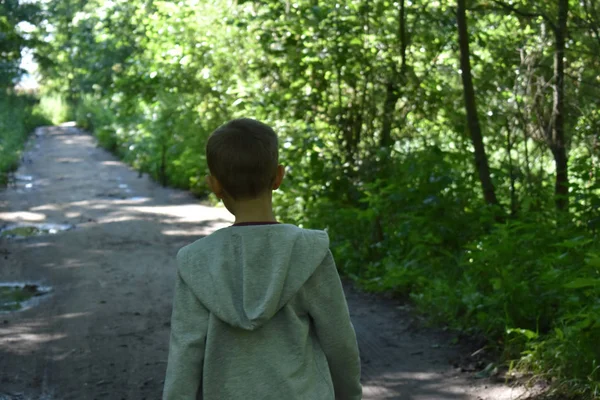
point(12, 39)
point(481, 161)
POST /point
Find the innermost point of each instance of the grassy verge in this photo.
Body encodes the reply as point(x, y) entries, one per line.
point(19, 116)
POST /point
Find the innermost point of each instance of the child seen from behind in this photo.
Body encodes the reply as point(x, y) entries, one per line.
point(259, 312)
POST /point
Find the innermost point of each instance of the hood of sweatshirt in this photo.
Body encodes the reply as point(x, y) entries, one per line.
point(246, 274)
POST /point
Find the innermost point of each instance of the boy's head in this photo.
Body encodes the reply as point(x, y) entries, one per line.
point(243, 157)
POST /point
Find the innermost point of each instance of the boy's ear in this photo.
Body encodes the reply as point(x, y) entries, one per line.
point(279, 177)
point(215, 186)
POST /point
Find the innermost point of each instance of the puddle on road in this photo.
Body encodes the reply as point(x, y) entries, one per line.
point(125, 187)
point(23, 178)
point(18, 296)
point(138, 198)
point(18, 182)
point(19, 231)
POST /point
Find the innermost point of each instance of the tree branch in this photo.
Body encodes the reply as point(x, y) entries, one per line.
point(527, 14)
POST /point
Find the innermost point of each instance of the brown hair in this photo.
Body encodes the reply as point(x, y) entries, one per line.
point(243, 156)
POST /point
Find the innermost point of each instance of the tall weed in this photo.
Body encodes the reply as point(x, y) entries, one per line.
point(19, 115)
point(55, 107)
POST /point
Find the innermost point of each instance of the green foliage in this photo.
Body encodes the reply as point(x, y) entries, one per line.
point(93, 115)
point(166, 145)
point(12, 38)
point(56, 107)
point(569, 351)
point(531, 285)
point(19, 115)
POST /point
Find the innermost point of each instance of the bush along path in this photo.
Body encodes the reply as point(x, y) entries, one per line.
point(101, 329)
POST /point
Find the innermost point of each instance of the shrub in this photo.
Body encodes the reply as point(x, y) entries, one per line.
point(55, 107)
point(19, 115)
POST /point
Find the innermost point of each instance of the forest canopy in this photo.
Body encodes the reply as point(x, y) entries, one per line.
point(451, 148)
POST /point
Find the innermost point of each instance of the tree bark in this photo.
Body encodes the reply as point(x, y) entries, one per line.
point(557, 141)
point(391, 97)
point(481, 161)
point(392, 94)
point(511, 171)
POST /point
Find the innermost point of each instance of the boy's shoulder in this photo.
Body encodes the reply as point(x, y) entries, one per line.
point(223, 237)
point(208, 241)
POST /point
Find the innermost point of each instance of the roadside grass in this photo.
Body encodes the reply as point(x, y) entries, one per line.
point(20, 114)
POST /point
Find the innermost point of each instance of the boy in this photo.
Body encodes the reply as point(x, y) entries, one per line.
point(259, 312)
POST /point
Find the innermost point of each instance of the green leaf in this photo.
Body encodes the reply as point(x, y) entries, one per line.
point(490, 370)
point(559, 333)
point(582, 283)
point(593, 262)
point(525, 332)
point(356, 41)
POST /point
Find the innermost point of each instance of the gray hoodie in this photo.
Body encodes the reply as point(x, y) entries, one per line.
point(259, 313)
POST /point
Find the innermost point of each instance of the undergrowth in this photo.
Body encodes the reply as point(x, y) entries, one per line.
point(56, 108)
point(19, 116)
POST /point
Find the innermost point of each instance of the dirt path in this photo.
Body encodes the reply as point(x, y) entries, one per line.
point(103, 333)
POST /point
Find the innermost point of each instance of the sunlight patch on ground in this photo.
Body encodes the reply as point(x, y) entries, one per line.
point(25, 337)
point(114, 217)
point(199, 231)
point(504, 393)
point(371, 391)
point(72, 315)
point(129, 209)
point(68, 160)
point(112, 163)
point(434, 386)
point(187, 212)
point(22, 216)
point(68, 263)
point(46, 207)
point(23, 343)
point(38, 245)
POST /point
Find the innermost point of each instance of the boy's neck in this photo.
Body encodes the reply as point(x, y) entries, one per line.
point(253, 210)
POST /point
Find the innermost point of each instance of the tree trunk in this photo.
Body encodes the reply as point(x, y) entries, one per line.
point(391, 97)
point(481, 161)
point(392, 93)
point(162, 172)
point(557, 142)
point(511, 169)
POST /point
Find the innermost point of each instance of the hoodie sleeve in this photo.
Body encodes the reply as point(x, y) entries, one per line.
point(329, 312)
point(189, 323)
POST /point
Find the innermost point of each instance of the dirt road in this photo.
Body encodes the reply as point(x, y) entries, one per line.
point(103, 332)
